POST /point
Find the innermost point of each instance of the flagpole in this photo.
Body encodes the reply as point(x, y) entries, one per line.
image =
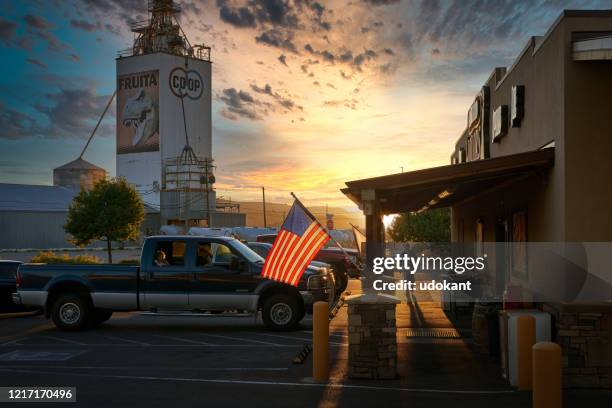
point(307, 211)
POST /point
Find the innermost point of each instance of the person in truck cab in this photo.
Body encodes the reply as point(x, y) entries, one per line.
point(204, 254)
point(160, 258)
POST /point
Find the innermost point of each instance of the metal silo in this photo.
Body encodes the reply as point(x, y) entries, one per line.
point(78, 173)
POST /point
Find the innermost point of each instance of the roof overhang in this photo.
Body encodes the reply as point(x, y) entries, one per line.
point(445, 186)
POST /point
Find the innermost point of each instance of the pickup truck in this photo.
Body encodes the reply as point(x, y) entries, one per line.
point(188, 273)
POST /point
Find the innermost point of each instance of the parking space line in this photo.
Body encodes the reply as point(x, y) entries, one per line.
point(270, 383)
point(265, 345)
point(142, 343)
point(62, 339)
point(72, 367)
point(295, 338)
point(242, 339)
point(202, 343)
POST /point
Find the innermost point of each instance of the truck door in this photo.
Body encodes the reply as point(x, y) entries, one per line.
point(166, 283)
point(222, 279)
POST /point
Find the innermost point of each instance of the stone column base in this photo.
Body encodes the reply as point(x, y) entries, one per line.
point(372, 336)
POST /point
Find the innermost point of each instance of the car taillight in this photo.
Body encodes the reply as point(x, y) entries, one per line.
point(17, 279)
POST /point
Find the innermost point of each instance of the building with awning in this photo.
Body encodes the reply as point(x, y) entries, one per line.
point(532, 165)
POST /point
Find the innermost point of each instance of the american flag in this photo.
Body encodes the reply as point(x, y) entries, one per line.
point(300, 238)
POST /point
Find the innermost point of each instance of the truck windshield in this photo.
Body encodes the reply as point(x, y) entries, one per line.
point(247, 252)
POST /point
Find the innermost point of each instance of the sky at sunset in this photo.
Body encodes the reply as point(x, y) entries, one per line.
point(306, 94)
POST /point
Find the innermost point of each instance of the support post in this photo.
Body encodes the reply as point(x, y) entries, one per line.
point(526, 335)
point(263, 194)
point(320, 342)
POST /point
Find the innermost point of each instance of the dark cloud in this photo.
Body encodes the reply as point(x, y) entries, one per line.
point(348, 103)
point(380, 2)
point(7, 31)
point(40, 29)
point(72, 113)
point(283, 102)
point(68, 113)
point(239, 104)
point(16, 125)
point(325, 54)
point(36, 62)
point(85, 25)
point(238, 17)
point(278, 13)
point(37, 22)
point(278, 38)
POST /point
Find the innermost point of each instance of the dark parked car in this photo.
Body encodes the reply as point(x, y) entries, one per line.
point(263, 248)
point(175, 273)
point(345, 261)
point(8, 273)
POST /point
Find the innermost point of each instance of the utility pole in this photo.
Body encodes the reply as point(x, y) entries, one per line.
point(263, 193)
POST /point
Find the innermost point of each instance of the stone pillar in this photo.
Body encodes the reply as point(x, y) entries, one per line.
point(372, 336)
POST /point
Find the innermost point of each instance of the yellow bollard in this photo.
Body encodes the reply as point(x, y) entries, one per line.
point(525, 333)
point(547, 378)
point(320, 341)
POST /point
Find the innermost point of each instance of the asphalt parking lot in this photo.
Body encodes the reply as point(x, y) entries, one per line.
point(140, 359)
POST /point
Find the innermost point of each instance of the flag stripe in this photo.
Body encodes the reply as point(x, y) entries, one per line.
point(309, 255)
point(276, 253)
point(272, 257)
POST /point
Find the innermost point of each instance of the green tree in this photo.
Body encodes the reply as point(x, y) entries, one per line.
point(428, 226)
point(111, 211)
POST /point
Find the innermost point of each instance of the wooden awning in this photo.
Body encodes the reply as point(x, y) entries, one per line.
point(446, 185)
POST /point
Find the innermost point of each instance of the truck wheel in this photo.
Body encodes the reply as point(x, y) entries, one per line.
point(71, 312)
point(281, 312)
point(100, 316)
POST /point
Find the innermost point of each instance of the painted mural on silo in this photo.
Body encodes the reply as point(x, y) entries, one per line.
point(138, 112)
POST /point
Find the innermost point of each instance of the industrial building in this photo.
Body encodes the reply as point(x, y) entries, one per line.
point(33, 216)
point(164, 125)
point(532, 165)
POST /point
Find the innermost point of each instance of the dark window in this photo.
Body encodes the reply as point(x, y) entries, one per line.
point(261, 251)
point(216, 255)
point(8, 270)
point(169, 253)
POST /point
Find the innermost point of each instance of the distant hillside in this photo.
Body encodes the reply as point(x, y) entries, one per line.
point(277, 212)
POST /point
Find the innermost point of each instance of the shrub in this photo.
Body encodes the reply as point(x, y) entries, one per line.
point(132, 261)
point(53, 258)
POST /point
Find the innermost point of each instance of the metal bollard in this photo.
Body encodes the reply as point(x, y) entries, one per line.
point(547, 377)
point(525, 340)
point(320, 341)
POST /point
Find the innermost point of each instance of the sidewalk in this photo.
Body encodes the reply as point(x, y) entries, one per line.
point(431, 363)
point(432, 372)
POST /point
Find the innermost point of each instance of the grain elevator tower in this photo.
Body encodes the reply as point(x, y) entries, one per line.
point(164, 132)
